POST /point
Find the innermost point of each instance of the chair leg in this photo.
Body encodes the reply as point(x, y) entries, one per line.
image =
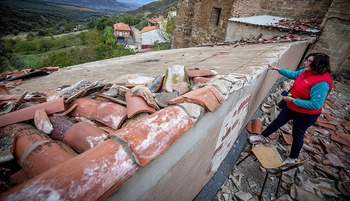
point(250, 153)
point(279, 184)
point(262, 190)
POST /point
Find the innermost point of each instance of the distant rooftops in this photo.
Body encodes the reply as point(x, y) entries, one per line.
point(274, 21)
point(156, 20)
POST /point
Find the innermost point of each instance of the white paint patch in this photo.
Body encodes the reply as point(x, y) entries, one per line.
point(94, 141)
point(229, 132)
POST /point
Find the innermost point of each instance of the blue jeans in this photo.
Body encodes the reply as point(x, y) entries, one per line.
point(301, 122)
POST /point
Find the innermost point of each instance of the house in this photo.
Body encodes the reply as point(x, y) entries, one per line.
point(149, 35)
point(121, 31)
point(155, 21)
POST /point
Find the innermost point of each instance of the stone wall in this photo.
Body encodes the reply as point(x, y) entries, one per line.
point(295, 8)
point(246, 8)
point(198, 22)
point(335, 37)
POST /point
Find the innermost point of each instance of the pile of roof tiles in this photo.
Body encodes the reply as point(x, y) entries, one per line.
point(326, 175)
point(87, 139)
point(12, 79)
point(278, 38)
point(300, 24)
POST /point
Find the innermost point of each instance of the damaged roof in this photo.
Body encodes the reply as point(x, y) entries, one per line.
point(271, 21)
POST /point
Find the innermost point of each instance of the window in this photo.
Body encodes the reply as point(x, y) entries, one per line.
point(125, 33)
point(215, 16)
point(120, 33)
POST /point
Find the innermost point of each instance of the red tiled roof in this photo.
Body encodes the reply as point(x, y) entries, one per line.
point(121, 27)
point(145, 29)
point(158, 19)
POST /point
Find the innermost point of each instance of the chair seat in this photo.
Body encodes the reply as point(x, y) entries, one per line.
point(270, 160)
point(267, 157)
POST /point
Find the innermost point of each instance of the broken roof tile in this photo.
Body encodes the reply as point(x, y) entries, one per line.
point(97, 173)
point(83, 136)
point(202, 80)
point(42, 122)
point(50, 107)
point(152, 135)
point(202, 96)
point(108, 113)
point(341, 140)
point(136, 105)
point(200, 73)
point(334, 160)
point(256, 126)
point(288, 139)
point(146, 94)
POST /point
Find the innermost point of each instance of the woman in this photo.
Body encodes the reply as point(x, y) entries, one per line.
point(311, 87)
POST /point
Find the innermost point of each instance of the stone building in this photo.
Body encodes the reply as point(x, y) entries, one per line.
point(206, 21)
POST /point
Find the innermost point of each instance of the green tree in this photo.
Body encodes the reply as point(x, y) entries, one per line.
point(108, 36)
point(167, 29)
point(8, 59)
point(101, 23)
point(93, 37)
point(68, 27)
point(127, 19)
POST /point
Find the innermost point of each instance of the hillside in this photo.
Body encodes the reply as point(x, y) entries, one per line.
point(108, 6)
point(33, 15)
point(157, 7)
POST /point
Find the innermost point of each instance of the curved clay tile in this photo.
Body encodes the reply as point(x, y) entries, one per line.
point(44, 155)
point(50, 107)
point(200, 73)
point(208, 97)
point(152, 135)
point(60, 124)
point(136, 105)
point(27, 138)
point(108, 113)
point(92, 175)
point(83, 136)
point(256, 126)
point(146, 94)
point(202, 80)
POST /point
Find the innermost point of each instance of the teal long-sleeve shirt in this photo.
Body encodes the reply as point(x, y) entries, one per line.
point(318, 92)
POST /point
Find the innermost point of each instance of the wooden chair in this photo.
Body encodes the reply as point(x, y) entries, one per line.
point(272, 163)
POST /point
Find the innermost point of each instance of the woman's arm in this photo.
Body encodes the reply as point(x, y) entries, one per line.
point(289, 74)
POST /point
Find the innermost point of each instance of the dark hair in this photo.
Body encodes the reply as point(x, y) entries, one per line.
point(320, 65)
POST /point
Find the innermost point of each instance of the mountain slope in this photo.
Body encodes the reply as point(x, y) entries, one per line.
point(109, 6)
point(156, 7)
point(33, 15)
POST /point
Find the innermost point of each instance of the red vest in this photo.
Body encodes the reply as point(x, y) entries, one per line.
point(302, 87)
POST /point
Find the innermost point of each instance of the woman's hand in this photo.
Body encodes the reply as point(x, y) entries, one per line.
point(271, 67)
point(289, 99)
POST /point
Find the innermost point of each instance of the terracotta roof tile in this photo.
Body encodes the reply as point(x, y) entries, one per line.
point(151, 136)
point(146, 29)
point(202, 96)
point(158, 19)
point(199, 73)
point(121, 27)
point(83, 136)
point(96, 174)
point(108, 113)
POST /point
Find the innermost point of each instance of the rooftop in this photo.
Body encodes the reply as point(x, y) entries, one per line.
point(146, 29)
point(122, 27)
point(274, 21)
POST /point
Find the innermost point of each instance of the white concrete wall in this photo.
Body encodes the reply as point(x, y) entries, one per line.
point(189, 163)
point(238, 31)
point(149, 37)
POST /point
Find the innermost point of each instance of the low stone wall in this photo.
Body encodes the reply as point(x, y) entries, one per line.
point(189, 163)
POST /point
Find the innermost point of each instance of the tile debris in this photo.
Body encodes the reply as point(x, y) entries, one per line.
point(325, 176)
